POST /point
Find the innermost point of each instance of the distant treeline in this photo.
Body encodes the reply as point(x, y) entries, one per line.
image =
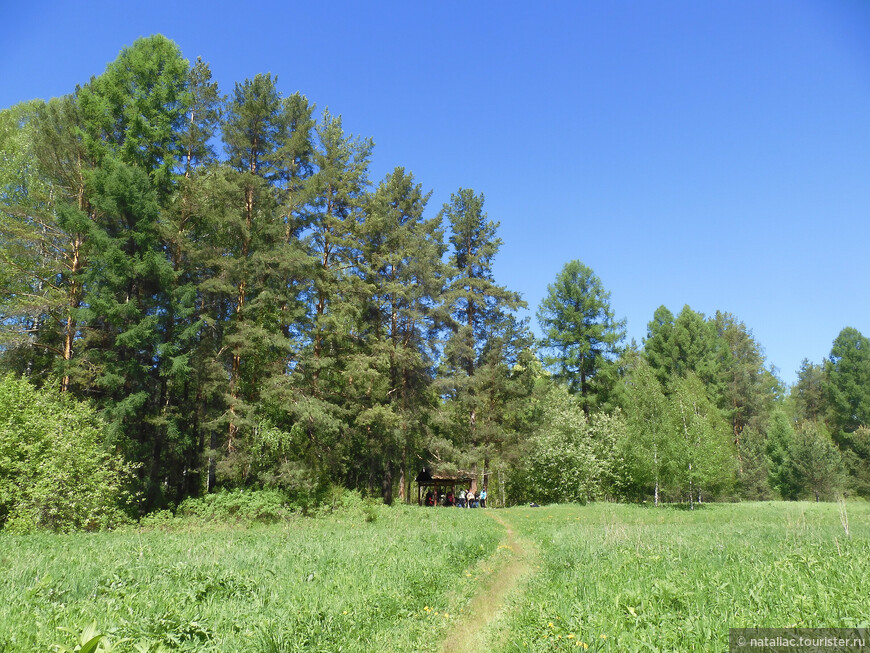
point(241, 306)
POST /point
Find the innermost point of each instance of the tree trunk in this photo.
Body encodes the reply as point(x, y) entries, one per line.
point(402, 482)
point(691, 492)
point(387, 483)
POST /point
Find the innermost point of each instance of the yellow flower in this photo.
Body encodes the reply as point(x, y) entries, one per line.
point(550, 625)
point(585, 646)
point(571, 636)
point(345, 612)
point(603, 636)
point(446, 616)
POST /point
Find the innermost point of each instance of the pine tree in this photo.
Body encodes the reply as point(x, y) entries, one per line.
point(816, 462)
point(847, 373)
point(313, 402)
point(780, 442)
point(397, 287)
point(256, 256)
point(136, 110)
point(46, 222)
point(478, 315)
point(688, 343)
point(809, 393)
point(184, 232)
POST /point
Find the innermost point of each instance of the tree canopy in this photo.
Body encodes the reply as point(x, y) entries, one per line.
point(217, 293)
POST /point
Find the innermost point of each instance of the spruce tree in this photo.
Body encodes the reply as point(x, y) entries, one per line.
point(847, 373)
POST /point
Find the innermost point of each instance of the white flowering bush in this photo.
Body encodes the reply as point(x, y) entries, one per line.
point(572, 458)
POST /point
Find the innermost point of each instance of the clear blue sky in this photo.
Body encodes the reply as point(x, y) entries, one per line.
point(713, 153)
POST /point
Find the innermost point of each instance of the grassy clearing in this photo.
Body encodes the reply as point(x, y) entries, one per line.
point(601, 577)
point(337, 583)
point(630, 578)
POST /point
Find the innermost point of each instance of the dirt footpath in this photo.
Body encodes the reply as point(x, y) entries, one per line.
point(472, 634)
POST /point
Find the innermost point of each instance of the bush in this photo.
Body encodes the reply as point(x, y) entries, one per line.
point(56, 470)
point(570, 457)
point(267, 506)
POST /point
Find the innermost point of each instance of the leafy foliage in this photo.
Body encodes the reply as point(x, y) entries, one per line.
point(645, 448)
point(56, 470)
point(701, 457)
point(570, 456)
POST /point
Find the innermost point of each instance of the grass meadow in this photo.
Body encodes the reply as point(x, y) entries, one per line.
point(632, 578)
point(601, 577)
point(338, 583)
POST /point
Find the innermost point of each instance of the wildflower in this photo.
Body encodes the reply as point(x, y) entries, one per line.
point(550, 625)
point(345, 612)
point(570, 635)
point(603, 636)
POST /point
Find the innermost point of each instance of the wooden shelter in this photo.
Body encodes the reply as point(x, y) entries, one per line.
point(440, 482)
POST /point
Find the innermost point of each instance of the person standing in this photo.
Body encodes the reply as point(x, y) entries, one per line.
point(483, 498)
point(461, 502)
point(469, 498)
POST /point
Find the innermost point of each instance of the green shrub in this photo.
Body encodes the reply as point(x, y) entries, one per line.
point(56, 470)
point(266, 506)
point(570, 457)
point(159, 519)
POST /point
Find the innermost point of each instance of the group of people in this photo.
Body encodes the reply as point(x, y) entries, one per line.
point(464, 499)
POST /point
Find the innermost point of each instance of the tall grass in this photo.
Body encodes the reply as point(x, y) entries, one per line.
point(630, 578)
point(605, 577)
point(341, 583)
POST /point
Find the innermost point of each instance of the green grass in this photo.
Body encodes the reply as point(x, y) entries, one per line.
point(338, 583)
point(632, 578)
point(612, 577)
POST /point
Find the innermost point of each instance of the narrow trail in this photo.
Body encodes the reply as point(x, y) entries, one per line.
point(472, 634)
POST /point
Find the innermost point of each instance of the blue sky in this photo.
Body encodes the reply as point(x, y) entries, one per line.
point(714, 153)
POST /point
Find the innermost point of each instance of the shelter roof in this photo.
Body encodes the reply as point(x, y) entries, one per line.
point(430, 477)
